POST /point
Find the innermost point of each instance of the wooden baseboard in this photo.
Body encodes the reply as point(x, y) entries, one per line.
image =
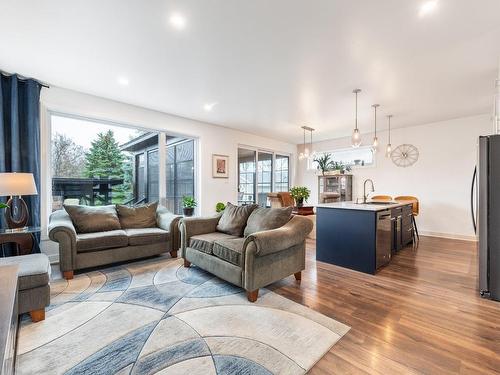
point(448, 235)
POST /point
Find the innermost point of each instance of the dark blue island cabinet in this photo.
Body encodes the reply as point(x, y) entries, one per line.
point(361, 237)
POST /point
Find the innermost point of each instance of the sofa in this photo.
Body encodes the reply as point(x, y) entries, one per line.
point(95, 236)
point(247, 246)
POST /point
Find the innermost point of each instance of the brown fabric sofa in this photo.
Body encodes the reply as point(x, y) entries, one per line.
point(252, 260)
point(79, 250)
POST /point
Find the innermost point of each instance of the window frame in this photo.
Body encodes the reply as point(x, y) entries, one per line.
point(258, 150)
point(46, 114)
point(311, 167)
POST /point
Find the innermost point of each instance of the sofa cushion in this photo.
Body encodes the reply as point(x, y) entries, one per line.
point(142, 216)
point(33, 272)
point(91, 219)
point(205, 242)
point(146, 236)
point(101, 240)
point(267, 218)
point(234, 219)
point(229, 250)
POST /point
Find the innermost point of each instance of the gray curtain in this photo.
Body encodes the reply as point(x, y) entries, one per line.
point(20, 136)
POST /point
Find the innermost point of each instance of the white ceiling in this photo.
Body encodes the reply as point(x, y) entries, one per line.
point(271, 66)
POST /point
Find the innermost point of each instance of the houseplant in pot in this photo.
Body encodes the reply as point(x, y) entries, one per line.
point(219, 207)
point(188, 204)
point(300, 194)
point(324, 163)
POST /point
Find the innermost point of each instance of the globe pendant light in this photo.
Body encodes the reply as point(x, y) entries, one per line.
point(356, 135)
point(375, 139)
point(388, 149)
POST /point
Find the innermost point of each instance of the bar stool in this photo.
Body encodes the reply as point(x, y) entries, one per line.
point(415, 209)
point(381, 198)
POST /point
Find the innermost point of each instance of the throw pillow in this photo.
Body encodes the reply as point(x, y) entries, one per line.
point(234, 219)
point(267, 219)
point(142, 216)
point(91, 219)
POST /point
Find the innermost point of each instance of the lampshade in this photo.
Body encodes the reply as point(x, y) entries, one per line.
point(15, 184)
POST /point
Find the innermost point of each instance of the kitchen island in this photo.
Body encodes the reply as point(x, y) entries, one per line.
point(362, 237)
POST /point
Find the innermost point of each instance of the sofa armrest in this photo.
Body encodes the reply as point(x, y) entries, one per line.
point(168, 221)
point(291, 234)
point(62, 231)
point(192, 226)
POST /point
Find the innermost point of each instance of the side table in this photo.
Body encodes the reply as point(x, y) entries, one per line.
point(24, 238)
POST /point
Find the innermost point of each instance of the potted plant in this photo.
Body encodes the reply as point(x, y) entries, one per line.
point(300, 194)
point(324, 163)
point(3, 205)
point(219, 207)
point(188, 204)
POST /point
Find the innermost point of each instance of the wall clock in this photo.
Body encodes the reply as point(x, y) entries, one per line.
point(404, 155)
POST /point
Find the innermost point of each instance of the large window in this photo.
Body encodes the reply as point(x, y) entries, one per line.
point(89, 163)
point(281, 173)
point(180, 172)
point(260, 173)
point(95, 163)
point(353, 157)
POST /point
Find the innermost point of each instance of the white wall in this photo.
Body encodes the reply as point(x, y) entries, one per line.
point(212, 139)
point(441, 178)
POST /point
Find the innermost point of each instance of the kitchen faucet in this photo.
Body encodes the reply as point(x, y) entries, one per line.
point(364, 189)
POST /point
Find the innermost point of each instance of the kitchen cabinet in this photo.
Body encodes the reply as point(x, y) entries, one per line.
point(362, 237)
point(335, 188)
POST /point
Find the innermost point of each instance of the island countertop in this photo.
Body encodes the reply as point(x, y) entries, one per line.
point(361, 206)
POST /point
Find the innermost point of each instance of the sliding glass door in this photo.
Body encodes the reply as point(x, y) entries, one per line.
point(260, 173)
point(246, 176)
point(264, 177)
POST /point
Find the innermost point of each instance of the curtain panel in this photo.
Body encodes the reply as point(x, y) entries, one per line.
point(20, 136)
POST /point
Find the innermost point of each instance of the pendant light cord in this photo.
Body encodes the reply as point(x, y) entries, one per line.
point(356, 124)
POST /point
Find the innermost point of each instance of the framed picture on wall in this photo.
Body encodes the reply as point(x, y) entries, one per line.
point(220, 166)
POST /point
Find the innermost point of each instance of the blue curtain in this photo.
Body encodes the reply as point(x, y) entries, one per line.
point(20, 136)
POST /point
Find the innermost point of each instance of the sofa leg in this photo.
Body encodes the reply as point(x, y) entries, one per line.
point(298, 276)
point(37, 315)
point(68, 275)
point(252, 296)
point(173, 253)
point(187, 263)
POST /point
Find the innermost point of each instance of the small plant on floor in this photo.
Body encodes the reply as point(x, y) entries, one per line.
point(219, 207)
point(300, 194)
point(188, 204)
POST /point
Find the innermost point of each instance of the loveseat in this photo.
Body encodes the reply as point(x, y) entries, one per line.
point(94, 236)
point(247, 246)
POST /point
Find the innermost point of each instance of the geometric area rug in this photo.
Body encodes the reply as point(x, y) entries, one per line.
point(157, 317)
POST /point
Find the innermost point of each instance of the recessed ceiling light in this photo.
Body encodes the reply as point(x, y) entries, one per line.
point(209, 106)
point(178, 21)
point(123, 81)
point(428, 7)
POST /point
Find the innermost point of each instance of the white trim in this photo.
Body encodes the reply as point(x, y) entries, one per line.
point(452, 236)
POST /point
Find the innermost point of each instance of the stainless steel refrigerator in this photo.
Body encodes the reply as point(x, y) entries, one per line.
point(485, 192)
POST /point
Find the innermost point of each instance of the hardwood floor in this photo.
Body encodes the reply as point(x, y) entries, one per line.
point(420, 314)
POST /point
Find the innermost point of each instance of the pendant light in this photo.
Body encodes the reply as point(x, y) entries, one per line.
point(305, 152)
point(375, 139)
point(388, 149)
point(356, 135)
point(307, 149)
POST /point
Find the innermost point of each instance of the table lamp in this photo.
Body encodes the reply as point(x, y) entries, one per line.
point(14, 185)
